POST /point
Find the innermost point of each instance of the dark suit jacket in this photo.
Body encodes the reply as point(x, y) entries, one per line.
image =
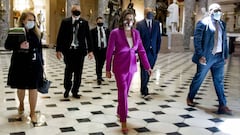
point(94, 33)
point(65, 35)
point(151, 41)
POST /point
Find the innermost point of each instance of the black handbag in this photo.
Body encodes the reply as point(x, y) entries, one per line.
point(45, 86)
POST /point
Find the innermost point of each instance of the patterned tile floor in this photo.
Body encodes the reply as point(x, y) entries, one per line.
point(95, 112)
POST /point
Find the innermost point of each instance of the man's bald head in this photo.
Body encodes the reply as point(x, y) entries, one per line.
point(147, 10)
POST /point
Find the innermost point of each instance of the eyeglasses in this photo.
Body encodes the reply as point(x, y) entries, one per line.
point(217, 10)
point(31, 20)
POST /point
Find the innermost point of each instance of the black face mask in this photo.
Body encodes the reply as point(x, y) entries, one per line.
point(76, 13)
point(100, 24)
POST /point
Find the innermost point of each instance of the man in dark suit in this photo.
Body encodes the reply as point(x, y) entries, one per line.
point(100, 36)
point(74, 42)
point(151, 37)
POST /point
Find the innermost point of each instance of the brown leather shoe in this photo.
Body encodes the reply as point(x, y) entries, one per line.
point(224, 110)
point(190, 102)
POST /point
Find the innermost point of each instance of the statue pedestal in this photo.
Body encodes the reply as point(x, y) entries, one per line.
point(164, 45)
point(175, 42)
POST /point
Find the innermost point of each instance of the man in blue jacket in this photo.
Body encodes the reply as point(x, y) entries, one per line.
point(151, 37)
point(211, 53)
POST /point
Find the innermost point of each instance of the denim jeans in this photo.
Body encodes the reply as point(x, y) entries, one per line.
point(215, 63)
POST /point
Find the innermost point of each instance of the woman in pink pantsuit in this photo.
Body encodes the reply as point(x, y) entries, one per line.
point(124, 42)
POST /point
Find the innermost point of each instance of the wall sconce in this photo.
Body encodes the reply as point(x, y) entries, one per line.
point(62, 11)
point(90, 11)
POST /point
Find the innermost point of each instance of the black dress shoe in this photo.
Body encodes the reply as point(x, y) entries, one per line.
point(99, 82)
point(224, 110)
point(190, 102)
point(76, 96)
point(66, 94)
point(102, 79)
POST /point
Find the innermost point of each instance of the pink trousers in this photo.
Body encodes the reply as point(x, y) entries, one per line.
point(123, 84)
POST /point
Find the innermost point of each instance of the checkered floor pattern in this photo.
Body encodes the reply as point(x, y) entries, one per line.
point(95, 112)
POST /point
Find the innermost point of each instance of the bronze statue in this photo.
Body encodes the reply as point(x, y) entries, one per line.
point(115, 11)
point(161, 13)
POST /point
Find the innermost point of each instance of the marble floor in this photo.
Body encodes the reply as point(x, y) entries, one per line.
point(95, 112)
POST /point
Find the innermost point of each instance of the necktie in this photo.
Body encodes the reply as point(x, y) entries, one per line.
point(216, 37)
point(149, 26)
point(75, 32)
point(101, 37)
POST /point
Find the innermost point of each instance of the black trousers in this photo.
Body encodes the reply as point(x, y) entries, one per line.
point(100, 57)
point(74, 59)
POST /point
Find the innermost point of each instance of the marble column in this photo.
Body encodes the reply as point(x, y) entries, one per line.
point(189, 19)
point(102, 10)
point(202, 5)
point(69, 4)
point(101, 7)
point(150, 3)
point(4, 21)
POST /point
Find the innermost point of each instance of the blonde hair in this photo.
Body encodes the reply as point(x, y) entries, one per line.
point(23, 17)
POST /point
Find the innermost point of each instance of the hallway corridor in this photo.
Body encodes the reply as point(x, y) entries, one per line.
point(95, 112)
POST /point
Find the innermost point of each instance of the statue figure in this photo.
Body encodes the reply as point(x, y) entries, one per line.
point(161, 14)
point(114, 15)
point(41, 20)
point(173, 17)
point(130, 6)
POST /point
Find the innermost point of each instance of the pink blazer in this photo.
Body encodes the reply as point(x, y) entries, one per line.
point(124, 57)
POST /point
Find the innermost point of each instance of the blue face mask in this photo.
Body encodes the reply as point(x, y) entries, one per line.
point(150, 15)
point(30, 24)
point(217, 15)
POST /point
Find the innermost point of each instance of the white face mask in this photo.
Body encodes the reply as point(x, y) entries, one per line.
point(217, 15)
point(30, 24)
point(128, 25)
